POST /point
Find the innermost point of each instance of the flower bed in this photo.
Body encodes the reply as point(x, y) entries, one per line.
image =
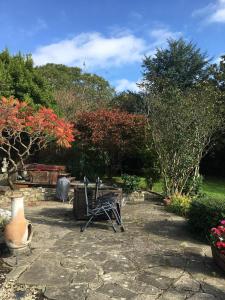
point(217, 240)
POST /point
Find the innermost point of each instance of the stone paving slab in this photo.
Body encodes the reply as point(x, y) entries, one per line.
point(155, 258)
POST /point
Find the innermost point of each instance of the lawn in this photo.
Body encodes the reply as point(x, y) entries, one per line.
point(213, 187)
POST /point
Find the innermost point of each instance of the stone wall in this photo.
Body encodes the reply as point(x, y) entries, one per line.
point(31, 195)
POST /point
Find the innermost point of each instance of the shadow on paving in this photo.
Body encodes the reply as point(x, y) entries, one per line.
point(156, 251)
point(63, 217)
point(175, 229)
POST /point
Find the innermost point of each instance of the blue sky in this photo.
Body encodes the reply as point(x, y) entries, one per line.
point(110, 36)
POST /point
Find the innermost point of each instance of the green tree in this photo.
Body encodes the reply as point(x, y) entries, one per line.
point(19, 78)
point(213, 163)
point(181, 64)
point(130, 102)
point(76, 91)
point(183, 125)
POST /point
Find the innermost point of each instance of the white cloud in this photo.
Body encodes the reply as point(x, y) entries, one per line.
point(124, 84)
point(161, 35)
point(212, 13)
point(93, 48)
point(99, 51)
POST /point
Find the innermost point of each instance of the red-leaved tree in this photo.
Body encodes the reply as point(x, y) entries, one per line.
point(112, 132)
point(24, 130)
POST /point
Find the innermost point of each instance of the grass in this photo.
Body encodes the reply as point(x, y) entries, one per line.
point(213, 187)
point(142, 184)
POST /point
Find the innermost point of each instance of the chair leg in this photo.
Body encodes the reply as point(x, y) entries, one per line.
point(87, 224)
point(118, 219)
point(110, 220)
point(116, 216)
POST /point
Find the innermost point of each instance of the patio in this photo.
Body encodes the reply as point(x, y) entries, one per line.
point(155, 258)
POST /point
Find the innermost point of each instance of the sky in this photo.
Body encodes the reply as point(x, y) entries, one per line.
point(109, 37)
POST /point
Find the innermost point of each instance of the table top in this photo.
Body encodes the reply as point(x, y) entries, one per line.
point(80, 185)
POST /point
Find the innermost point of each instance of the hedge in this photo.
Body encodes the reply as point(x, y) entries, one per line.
point(205, 213)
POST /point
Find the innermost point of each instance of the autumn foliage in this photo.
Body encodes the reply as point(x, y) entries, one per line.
point(24, 129)
point(110, 134)
point(108, 129)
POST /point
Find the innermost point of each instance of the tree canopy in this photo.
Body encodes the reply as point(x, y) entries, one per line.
point(19, 78)
point(181, 64)
point(130, 101)
point(24, 130)
point(76, 91)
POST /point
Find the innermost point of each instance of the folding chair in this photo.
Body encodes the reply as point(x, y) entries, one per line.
point(97, 205)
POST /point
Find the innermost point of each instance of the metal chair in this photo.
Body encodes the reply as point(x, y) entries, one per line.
point(97, 205)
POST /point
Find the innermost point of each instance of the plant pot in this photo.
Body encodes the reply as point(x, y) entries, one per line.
point(166, 201)
point(218, 257)
point(18, 232)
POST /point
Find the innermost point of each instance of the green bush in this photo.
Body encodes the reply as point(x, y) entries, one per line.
point(205, 213)
point(130, 183)
point(179, 205)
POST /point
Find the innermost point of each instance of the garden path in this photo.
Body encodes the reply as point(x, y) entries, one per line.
point(155, 258)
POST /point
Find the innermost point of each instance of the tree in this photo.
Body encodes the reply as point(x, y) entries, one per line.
point(181, 65)
point(110, 134)
point(75, 90)
point(218, 74)
point(183, 124)
point(129, 101)
point(24, 130)
point(19, 78)
point(213, 163)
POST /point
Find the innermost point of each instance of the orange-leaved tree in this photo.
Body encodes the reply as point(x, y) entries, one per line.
point(24, 130)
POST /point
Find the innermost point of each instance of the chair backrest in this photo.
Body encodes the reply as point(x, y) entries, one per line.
point(86, 181)
point(91, 195)
point(97, 186)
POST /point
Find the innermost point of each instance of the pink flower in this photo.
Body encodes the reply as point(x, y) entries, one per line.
point(221, 229)
point(222, 222)
point(215, 231)
point(220, 245)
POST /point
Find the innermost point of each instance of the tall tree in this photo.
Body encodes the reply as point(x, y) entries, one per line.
point(75, 90)
point(184, 110)
point(181, 64)
point(19, 78)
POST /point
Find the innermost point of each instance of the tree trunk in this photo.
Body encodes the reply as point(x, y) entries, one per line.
point(10, 178)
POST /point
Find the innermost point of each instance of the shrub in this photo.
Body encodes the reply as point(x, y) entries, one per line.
point(205, 213)
point(179, 204)
point(130, 183)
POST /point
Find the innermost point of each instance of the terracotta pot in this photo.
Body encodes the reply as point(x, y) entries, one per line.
point(18, 232)
point(166, 201)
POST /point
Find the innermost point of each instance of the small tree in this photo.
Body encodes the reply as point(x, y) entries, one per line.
point(24, 130)
point(183, 125)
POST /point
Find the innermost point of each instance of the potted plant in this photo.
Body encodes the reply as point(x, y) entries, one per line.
point(131, 190)
point(217, 240)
